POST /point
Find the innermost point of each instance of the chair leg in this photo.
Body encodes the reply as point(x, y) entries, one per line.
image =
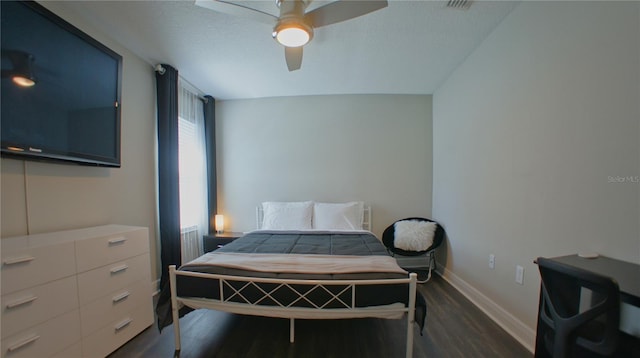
point(432, 265)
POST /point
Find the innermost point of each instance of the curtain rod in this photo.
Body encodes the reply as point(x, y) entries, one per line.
point(161, 70)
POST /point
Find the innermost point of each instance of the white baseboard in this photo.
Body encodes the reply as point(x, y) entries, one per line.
point(516, 328)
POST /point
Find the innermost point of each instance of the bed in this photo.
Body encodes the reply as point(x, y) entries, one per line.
point(308, 261)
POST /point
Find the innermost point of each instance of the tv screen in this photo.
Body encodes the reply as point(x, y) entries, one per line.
point(60, 90)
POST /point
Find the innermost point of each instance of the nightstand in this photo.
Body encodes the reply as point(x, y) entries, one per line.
point(216, 241)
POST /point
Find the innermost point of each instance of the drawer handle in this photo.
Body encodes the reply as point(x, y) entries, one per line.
point(24, 342)
point(21, 301)
point(18, 260)
point(120, 268)
point(123, 324)
point(121, 296)
point(116, 241)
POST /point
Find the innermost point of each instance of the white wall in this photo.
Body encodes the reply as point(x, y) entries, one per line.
point(40, 197)
point(528, 134)
point(374, 148)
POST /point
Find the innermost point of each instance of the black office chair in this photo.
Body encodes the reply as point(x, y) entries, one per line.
point(389, 237)
point(565, 329)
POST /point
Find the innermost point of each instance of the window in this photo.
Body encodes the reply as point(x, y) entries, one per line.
point(192, 162)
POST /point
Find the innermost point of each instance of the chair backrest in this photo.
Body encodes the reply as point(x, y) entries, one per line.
point(388, 238)
point(595, 327)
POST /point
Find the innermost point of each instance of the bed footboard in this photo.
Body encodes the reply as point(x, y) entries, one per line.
point(175, 306)
point(339, 299)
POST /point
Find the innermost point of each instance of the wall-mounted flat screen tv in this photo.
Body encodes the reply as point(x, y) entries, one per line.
point(60, 98)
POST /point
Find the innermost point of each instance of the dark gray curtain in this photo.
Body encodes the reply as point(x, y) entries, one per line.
point(168, 185)
point(168, 174)
point(210, 142)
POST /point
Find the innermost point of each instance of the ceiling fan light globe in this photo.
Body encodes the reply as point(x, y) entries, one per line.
point(293, 37)
point(23, 81)
point(292, 31)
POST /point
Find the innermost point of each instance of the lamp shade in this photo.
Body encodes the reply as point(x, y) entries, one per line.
point(219, 220)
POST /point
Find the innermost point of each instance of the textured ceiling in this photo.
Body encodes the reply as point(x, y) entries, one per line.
point(409, 47)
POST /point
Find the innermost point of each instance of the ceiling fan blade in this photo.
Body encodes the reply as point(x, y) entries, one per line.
point(293, 55)
point(338, 11)
point(239, 10)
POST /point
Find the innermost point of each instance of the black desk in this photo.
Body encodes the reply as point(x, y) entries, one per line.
point(627, 274)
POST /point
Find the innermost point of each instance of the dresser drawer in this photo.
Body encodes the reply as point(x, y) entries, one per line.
point(100, 251)
point(31, 266)
point(103, 280)
point(75, 351)
point(100, 312)
point(26, 308)
point(44, 340)
point(117, 332)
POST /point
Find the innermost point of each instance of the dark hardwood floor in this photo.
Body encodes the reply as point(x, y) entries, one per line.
point(454, 328)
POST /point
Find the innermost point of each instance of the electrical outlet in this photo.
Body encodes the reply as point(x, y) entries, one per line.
point(492, 261)
point(520, 274)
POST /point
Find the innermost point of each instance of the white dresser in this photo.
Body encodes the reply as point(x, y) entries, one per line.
point(75, 293)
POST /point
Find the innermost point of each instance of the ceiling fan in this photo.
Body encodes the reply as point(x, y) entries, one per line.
point(294, 27)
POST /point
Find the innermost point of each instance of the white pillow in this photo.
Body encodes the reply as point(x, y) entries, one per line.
point(338, 216)
point(287, 215)
point(413, 235)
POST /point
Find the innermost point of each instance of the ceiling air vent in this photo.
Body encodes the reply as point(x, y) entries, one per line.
point(459, 4)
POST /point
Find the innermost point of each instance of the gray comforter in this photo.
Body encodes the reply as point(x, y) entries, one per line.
point(308, 242)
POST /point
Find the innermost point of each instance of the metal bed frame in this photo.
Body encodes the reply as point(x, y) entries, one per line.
point(318, 310)
point(334, 305)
